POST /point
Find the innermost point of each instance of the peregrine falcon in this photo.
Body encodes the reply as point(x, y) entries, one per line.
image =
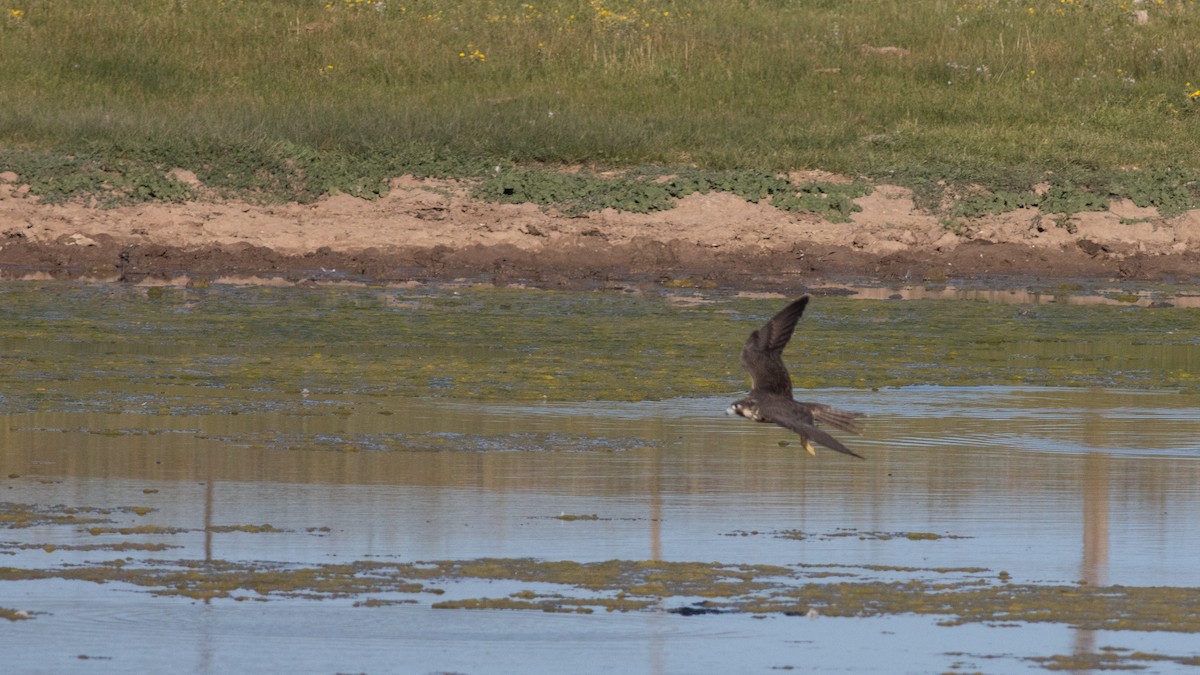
point(770, 398)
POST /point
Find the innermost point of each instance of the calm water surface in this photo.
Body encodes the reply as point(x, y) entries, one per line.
point(427, 424)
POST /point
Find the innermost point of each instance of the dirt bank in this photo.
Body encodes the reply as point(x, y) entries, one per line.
point(431, 230)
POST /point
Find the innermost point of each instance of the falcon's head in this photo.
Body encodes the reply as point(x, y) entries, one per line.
point(745, 407)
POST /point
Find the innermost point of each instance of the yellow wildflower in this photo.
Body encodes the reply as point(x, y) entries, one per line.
point(472, 54)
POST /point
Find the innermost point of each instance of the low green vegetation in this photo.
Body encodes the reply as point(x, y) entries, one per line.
point(14, 614)
point(645, 585)
point(21, 516)
point(108, 348)
point(295, 99)
point(656, 192)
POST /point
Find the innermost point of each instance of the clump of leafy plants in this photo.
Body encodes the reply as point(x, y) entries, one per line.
point(834, 201)
point(653, 191)
point(1171, 191)
point(98, 181)
point(573, 192)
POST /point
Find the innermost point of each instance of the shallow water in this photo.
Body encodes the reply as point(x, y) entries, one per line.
point(314, 428)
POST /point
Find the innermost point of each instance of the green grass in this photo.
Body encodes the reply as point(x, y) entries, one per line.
point(294, 99)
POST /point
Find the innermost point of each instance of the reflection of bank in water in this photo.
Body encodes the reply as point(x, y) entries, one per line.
point(1063, 294)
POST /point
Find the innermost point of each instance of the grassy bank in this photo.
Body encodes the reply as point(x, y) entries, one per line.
point(295, 99)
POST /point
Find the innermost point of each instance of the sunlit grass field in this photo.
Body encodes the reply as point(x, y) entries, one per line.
point(304, 97)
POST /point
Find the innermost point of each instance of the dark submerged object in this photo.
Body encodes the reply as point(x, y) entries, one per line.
point(770, 398)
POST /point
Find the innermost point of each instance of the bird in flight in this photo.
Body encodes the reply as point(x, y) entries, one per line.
point(770, 398)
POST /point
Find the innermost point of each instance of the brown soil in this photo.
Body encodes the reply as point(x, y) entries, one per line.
point(430, 230)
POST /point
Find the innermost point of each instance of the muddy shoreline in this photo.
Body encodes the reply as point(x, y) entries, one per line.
point(427, 230)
